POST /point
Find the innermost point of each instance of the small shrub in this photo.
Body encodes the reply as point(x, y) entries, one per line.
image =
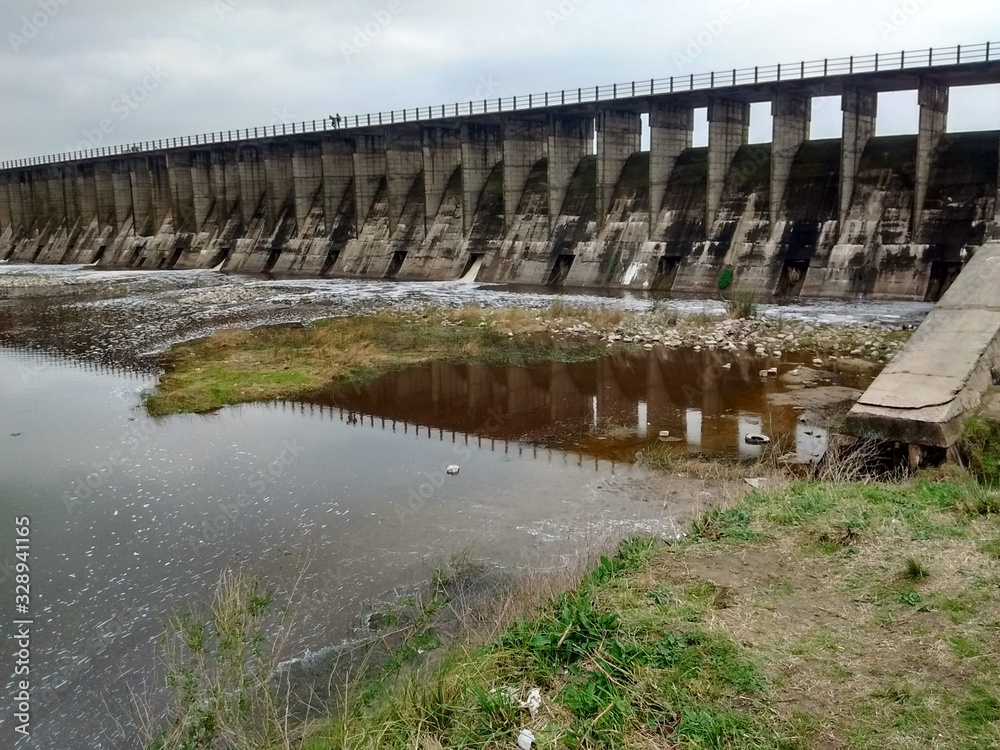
point(726, 278)
point(916, 570)
point(731, 525)
point(980, 448)
point(742, 305)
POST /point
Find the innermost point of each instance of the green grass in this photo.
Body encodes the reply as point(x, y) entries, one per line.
point(283, 362)
point(980, 447)
point(861, 616)
point(880, 600)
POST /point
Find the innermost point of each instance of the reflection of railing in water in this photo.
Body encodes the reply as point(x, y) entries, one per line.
point(353, 418)
point(40, 360)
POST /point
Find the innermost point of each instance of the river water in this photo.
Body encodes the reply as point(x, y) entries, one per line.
point(132, 519)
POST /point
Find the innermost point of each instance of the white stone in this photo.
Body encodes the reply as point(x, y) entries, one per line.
point(453, 470)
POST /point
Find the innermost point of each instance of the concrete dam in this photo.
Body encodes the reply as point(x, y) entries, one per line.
point(555, 189)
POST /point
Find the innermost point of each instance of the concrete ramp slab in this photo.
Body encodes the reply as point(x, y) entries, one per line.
point(924, 395)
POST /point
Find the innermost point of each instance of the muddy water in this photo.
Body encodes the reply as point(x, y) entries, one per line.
point(694, 402)
point(132, 519)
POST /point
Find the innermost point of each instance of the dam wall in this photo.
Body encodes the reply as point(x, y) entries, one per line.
point(554, 189)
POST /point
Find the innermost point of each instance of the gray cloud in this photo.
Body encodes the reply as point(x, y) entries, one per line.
point(190, 66)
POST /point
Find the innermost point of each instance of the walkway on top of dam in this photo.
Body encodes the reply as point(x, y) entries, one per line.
point(964, 65)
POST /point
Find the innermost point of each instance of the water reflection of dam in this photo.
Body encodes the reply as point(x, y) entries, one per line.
point(708, 400)
point(507, 446)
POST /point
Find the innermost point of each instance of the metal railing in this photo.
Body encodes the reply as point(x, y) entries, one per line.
point(806, 70)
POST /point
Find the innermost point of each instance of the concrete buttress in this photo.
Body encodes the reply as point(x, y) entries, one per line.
point(571, 137)
point(278, 179)
point(404, 161)
point(225, 177)
point(670, 134)
point(860, 110)
point(307, 177)
point(142, 196)
point(442, 155)
point(338, 175)
point(791, 114)
point(618, 137)
point(523, 147)
point(932, 96)
point(369, 173)
point(201, 187)
point(728, 129)
point(107, 213)
point(253, 184)
point(482, 151)
point(181, 190)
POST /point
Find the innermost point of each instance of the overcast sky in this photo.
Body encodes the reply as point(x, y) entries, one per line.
point(179, 67)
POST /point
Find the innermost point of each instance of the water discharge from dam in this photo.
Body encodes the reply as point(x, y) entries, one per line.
point(134, 518)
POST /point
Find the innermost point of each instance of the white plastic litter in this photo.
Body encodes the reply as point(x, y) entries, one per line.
point(453, 470)
point(533, 702)
point(525, 739)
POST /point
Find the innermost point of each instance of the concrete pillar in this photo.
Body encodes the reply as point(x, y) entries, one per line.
point(670, 133)
point(32, 218)
point(159, 189)
point(122, 187)
point(15, 194)
point(279, 179)
point(728, 129)
point(442, 156)
point(181, 190)
point(933, 100)
point(201, 187)
point(404, 160)
point(225, 177)
point(307, 177)
point(791, 114)
point(86, 194)
point(71, 191)
point(571, 138)
point(482, 150)
point(860, 108)
point(338, 174)
point(142, 196)
point(369, 171)
point(523, 148)
point(22, 203)
point(5, 213)
point(40, 197)
point(619, 136)
point(253, 186)
point(104, 190)
point(56, 196)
